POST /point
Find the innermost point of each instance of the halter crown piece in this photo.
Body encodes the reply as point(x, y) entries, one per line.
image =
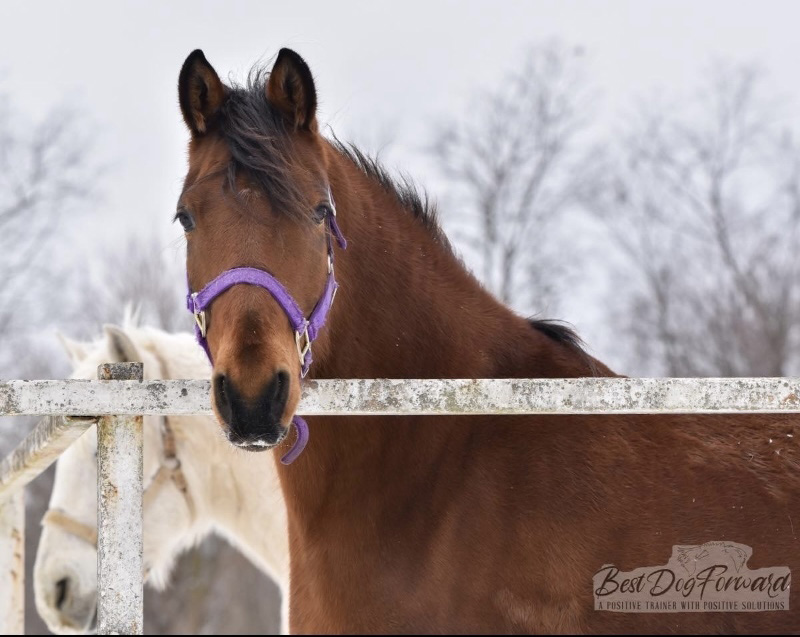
point(305, 329)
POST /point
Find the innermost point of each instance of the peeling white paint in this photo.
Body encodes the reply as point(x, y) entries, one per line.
point(424, 397)
point(119, 525)
point(119, 519)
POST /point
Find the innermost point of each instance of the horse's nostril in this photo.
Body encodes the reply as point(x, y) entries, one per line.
point(276, 395)
point(62, 587)
point(281, 386)
point(222, 398)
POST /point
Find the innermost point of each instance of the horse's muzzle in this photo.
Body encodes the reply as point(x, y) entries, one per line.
point(253, 424)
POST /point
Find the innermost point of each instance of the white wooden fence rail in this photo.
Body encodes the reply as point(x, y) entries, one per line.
point(117, 403)
point(419, 397)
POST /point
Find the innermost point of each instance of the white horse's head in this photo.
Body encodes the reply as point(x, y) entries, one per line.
point(65, 573)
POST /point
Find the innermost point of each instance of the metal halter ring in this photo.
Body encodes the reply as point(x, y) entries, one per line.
point(303, 343)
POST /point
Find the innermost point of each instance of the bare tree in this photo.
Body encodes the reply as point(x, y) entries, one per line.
point(137, 275)
point(705, 202)
point(44, 172)
point(511, 163)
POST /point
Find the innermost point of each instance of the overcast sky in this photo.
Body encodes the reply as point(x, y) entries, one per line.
point(383, 69)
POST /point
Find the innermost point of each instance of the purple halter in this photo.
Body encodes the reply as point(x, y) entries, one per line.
point(305, 330)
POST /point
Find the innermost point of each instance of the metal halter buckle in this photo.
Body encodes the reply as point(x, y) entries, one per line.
point(303, 343)
point(199, 317)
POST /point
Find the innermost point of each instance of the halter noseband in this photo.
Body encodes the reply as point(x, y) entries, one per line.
point(306, 330)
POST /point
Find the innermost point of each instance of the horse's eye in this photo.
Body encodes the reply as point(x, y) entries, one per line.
point(187, 221)
point(321, 212)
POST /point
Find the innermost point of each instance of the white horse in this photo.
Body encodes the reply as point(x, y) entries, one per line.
point(195, 482)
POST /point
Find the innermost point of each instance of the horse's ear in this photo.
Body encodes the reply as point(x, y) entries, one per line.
point(200, 92)
point(291, 90)
point(75, 351)
point(121, 346)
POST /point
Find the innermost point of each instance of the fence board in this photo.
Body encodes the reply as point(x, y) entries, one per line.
point(51, 436)
point(421, 397)
point(12, 564)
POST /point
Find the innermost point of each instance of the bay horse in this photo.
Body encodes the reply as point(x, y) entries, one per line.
point(195, 483)
point(475, 524)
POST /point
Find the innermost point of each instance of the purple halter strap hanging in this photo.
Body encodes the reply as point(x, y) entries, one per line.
point(305, 329)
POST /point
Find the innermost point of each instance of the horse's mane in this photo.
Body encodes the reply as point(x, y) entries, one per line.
point(559, 331)
point(564, 334)
point(411, 197)
point(260, 145)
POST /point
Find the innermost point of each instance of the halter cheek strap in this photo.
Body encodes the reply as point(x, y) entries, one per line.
point(306, 330)
point(80, 530)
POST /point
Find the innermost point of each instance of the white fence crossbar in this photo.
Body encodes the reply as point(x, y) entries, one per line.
point(394, 397)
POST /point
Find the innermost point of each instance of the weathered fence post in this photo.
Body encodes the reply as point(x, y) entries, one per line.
point(119, 514)
point(12, 564)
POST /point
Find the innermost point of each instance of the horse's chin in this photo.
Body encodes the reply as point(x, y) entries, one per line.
point(258, 444)
point(253, 448)
point(90, 628)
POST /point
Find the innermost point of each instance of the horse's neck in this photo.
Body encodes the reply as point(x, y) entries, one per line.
point(406, 308)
